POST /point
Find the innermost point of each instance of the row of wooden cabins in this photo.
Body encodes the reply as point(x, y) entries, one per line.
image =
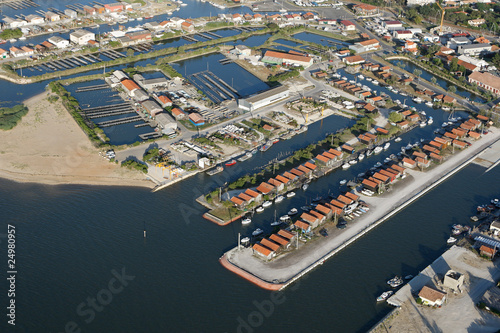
point(268, 248)
point(384, 177)
point(277, 184)
point(324, 212)
point(409, 118)
point(454, 138)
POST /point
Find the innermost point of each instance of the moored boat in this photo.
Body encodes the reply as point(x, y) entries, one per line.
point(279, 198)
point(430, 121)
point(423, 124)
point(346, 166)
point(361, 157)
point(451, 240)
point(267, 204)
point(290, 194)
point(257, 232)
point(305, 186)
point(292, 212)
point(377, 150)
point(387, 145)
point(397, 139)
point(218, 169)
point(284, 218)
point(259, 209)
point(385, 295)
point(343, 182)
point(352, 162)
point(246, 221)
point(230, 163)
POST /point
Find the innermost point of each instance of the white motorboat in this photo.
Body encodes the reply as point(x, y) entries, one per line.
point(361, 77)
point(429, 104)
point(352, 162)
point(284, 218)
point(377, 150)
point(387, 145)
point(292, 212)
point(361, 157)
point(344, 78)
point(305, 186)
point(257, 232)
point(290, 194)
point(403, 93)
point(245, 240)
point(279, 198)
point(418, 100)
point(423, 124)
point(385, 295)
point(266, 204)
point(346, 166)
point(387, 160)
point(369, 79)
point(430, 121)
point(343, 182)
point(246, 221)
point(397, 139)
point(409, 146)
point(259, 209)
point(395, 282)
point(375, 82)
point(451, 240)
point(378, 165)
point(369, 153)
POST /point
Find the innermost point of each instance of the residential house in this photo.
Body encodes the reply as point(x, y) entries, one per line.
point(487, 251)
point(423, 162)
point(59, 42)
point(347, 148)
point(403, 124)
point(370, 185)
point(81, 36)
point(347, 25)
point(270, 245)
point(459, 144)
point(178, 113)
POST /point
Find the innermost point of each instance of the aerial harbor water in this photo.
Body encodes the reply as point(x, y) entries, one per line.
point(93, 258)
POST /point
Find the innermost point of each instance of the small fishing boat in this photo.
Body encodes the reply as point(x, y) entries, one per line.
point(230, 163)
point(417, 100)
point(457, 226)
point(279, 198)
point(409, 277)
point(375, 82)
point(395, 282)
point(290, 194)
point(377, 150)
point(266, 204)
point(378, 165)
point(275, 223)
point(369, 79)
point(385, 295)
point(451, 240)
point(306, 208)
point(276, 140)
point(245, 157)
point(305, 186)
point(259, 209)
point(292, 212)
point(398, 139)
point(246, 221)
point(245, 240)
point(387, 145)
point(352, 162)
point(423, 124)
point(317, 199)
point(456, 232)
point(343, 182)
point(369, 152)
point(361, 77)
point(361, 157)
point(257, 232)
point(430, 121)
point(429, 104)
point(284, 218)
point(346, 166)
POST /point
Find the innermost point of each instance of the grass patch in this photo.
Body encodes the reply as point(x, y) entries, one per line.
point(10, 117)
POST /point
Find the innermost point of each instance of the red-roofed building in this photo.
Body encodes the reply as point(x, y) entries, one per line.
point(270, 244)
point(422, 162)
point(263, 252)
point(305, 170)
point(344, 199)
point(237, 201)
point(347, 25)
point(320, 217)
point(409, 163)
point(365, 9)
point(459, 144)
point(164, 101)
point(291, 176)
point(277, 184)
point(279, 58)
point(286, 234)
point(368, 184)
point(283, 242)
point(301, 225)
point(265, 188)
point(255, 195)
point(178, 113)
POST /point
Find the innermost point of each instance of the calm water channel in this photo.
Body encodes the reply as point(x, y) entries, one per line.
point(73, 240)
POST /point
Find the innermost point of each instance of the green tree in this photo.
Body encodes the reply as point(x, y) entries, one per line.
point(433, 79)
point(454, 65)
point(452, 89)
point(417, 72)
point(395, 117)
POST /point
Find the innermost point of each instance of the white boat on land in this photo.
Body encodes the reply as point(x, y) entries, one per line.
point(257, 232)
point(259, 209)
point(387, 145)
point(343, 182)
point(346, 166)
point(246, 221)
point(279, 198)
point(293, 211)
point(267, 204)
point(385, 295)
point(290, 194)
point(451, 240)
point(397, 139)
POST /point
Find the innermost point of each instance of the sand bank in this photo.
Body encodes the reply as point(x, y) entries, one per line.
point(48, 147)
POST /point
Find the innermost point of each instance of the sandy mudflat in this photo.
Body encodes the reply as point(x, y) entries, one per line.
point(48, 147)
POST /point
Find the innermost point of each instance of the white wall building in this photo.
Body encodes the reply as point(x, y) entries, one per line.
point(260, 100)
point(59, 42)
point(81, 36)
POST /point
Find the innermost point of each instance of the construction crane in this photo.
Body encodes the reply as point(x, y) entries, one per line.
point(442, 18)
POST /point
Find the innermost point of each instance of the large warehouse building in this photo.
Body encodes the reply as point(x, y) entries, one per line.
point(260, 100)
point(279, 58)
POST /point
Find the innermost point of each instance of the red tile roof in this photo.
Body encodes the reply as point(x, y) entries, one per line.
point(302, 225)
point(286, 234)
point(352, 196)
point(287, 56)
point(280, 240)
point(262, 249)
point(269, 244)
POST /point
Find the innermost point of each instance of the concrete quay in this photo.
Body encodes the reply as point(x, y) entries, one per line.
point(289, 267)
